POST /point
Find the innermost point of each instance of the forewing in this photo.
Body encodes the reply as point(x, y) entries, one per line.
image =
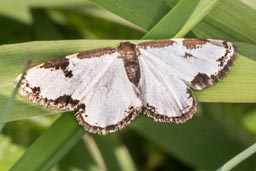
point(53, 84)
point(199, 62)
point(111, 103)
point(93, 83)
point(165, 96)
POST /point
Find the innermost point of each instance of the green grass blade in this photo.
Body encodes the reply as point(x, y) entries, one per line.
point(78, 157)
point(44, 27)
point(227, 21)
point(14, 31)
point(239, 158)
point(50, 147)
point(144, 13)
point(87, 21)
point(199, 13)
point(173, 21)
point(94, 151)
point(114, 153)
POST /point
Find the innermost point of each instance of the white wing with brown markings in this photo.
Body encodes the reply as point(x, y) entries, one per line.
point(108, 87)
point(170, 67)
point(95, 85)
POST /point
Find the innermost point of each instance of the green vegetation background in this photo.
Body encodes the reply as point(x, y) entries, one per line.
point(54, 28)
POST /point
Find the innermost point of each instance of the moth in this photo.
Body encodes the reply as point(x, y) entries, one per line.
point(109, 87)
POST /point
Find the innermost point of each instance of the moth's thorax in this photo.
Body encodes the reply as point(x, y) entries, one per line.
point(129, 54)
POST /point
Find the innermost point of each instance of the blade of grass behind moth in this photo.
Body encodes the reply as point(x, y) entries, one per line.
point(114, 153)
point(95, 152)
point(87, 24)
point(238, 158)
point(202, 9)
point(173, 21)
point(9, 103)
point(52, 145)
point(44, 27)
point(227, 21)
point(144, 13)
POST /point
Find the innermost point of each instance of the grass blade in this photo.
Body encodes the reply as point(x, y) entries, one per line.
point(94, 151)
point(202, 9)
point(173, 21)
point(114, 153)
point(227, 21)
point(44, 28)
point(144, 13)
point(239, 158)
point(50, 147)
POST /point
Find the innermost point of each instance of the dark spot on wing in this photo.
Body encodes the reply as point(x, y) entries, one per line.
point(194, 43)
point(201, 80)
point(223, 58)
point(222, 72)
point(66, 99)
point(225, 44)
point(221, 61)
point(35, 90)
point(64, 102)
point(156, 43)
point(188, 55)
point(68, 73)
point(59, 64)
point(81, 107)
point(95, 53)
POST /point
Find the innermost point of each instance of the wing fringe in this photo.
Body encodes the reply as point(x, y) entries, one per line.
point(130, 114)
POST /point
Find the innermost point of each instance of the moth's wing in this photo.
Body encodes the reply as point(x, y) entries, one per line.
point(94, 83)
point(199, 62)
point(165, 96)
point(52, 84)
point(169, 67)
point(111, 103)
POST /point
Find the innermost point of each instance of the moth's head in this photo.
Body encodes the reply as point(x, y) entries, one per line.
point(128, 49)
point(126, 46)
